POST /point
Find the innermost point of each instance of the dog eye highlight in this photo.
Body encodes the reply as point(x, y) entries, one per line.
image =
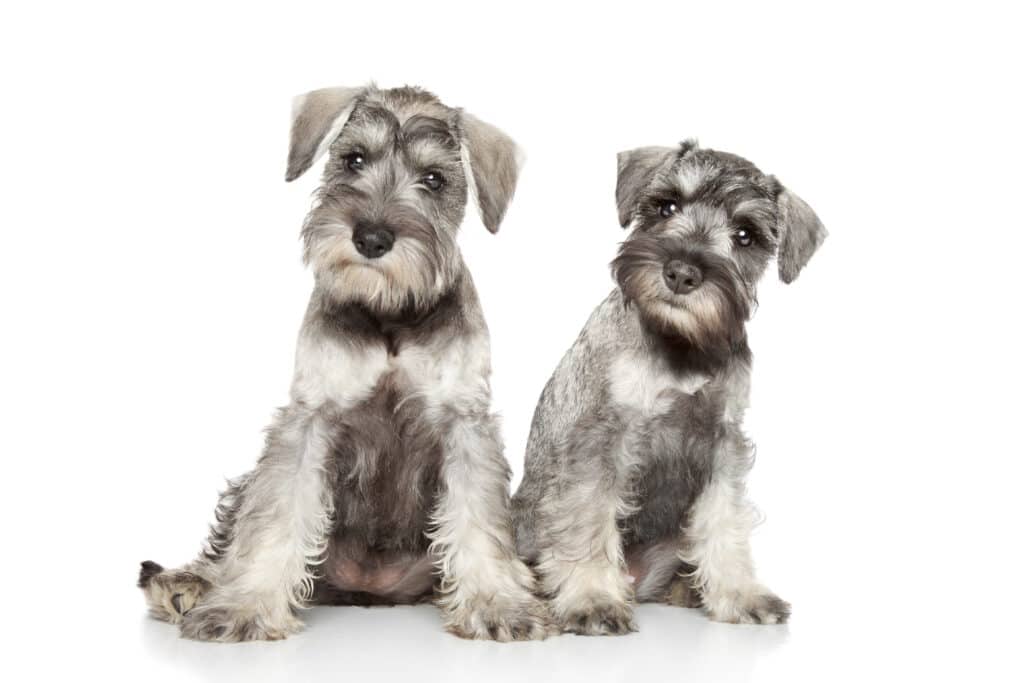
point(668, 208)
point(743, 237)
point(434, 181)
point(355, 161)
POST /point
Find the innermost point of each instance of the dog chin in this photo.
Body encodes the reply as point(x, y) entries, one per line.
point(357, 283)
point(681, 316)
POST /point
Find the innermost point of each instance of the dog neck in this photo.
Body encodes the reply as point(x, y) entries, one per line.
point(684, 356)
point(398, 328)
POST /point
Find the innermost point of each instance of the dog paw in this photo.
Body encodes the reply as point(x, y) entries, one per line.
point(682, 594)
point(760, 608)
point(525, 618)
point(170, 594)
point(225, 625)
point(600, 618)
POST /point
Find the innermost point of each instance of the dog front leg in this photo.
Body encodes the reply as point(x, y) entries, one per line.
point(278, 532)
point(487, 592)
point(716, 541)
point(581, 562)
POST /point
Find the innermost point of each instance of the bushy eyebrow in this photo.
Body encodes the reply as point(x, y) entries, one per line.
point(664, 188)
point(421, 127)
point(759, 212)
point(376, 131)
point(425, 153)
point(372, 132)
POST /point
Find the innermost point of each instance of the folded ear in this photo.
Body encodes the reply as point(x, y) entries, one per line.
point(637, 169)
point(493, 161)
point(317, 119)
point(801, 233)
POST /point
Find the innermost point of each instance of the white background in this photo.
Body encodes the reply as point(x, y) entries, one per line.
point(152, 288)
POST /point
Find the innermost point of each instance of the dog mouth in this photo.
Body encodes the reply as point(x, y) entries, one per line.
point(694, 304)
point(376, 264)
point(709, 310)
point(681, 301)
point(348, 265)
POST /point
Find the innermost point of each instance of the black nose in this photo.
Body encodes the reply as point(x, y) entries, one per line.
point(682, 278)
point(373, 241)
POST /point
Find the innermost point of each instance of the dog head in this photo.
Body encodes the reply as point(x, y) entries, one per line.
point(401, 166)
point(704, 226)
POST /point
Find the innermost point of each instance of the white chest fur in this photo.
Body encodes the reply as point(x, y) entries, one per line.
point(643, 386)
point(326, 370)
point(455, 375)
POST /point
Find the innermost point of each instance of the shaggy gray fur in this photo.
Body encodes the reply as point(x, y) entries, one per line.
point(633, 488)
point(383, 481)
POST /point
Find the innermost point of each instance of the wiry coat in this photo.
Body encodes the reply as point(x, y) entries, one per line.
point(383, 480)
point(633, 488)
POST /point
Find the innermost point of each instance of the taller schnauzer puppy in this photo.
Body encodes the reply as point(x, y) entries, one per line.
point(383, 480)
point(636, 460)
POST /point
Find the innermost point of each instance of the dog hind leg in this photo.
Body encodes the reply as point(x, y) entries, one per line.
point(171, 593)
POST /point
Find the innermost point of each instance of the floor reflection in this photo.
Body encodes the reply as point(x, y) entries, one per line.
point(396, 643)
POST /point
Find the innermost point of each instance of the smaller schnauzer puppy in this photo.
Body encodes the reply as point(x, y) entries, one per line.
point(383, 481)
point(635, 466)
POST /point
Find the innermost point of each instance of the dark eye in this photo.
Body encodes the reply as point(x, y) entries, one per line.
point(668, 208)
point(355, 161)
point(743, 237)
point(434, 181)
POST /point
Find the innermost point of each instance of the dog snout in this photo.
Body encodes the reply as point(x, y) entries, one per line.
point(373, 241)
point(682, 277)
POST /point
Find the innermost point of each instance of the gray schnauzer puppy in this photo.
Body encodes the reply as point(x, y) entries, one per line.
point(383, 481)
point(635, 465)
